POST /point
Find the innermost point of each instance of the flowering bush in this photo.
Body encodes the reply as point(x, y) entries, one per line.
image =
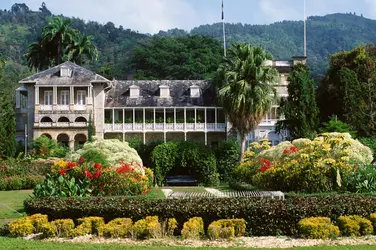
point(324, 164)
point(108, 153)
point(83, 178)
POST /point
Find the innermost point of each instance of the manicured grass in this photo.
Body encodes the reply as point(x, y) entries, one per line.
point(155, 194)
point(12, 200)
point(12, 243)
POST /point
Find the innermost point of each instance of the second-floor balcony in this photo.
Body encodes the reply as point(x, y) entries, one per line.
point(164, 119)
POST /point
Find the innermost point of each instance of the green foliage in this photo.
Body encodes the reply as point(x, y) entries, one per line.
point(349, 87)
point(369, 142)
point(7, 121)
point(245, 96)
point(189, 157)
point(363, 179)
point(262, 216)
point(88, 225)
point(299, 108)
point(354, 225)
point(335, 125)
point(186, 57)
point(227, 154)
point(45, 147)
point(317, 228)
point(147, 228)
point(90, 129)
point(193, 228)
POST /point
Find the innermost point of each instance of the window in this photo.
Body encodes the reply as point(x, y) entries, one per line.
point(164, 91)
point(195, 91)
point(81, 97)
point(48, 97)
point(64, 97)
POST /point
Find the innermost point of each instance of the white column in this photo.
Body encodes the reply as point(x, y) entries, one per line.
point(36, 95)
point(123, 120)
point(134, 118)
point(215, 118)
point(185, 118)
point(195, 117)
point(89, 96)
point(206, 138)
point(71, 97)
point(144, 137)
point(164, 119)
point(185, 136)
point(164, 136)
point(206, 122)
point(54, 95)
point(113, 119)
point(153, 118)
point(174, 118)
point(143, 125)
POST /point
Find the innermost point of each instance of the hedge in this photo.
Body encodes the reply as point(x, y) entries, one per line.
point(263, 216)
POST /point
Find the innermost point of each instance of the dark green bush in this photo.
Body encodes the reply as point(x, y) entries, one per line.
point(262, 216)
point(185, 157)
point(19, 182)
point(44, 147)
point(227, 154)
point(371, 143)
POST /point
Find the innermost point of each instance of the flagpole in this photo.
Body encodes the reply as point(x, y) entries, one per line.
point(224, 32)
point(305, 30)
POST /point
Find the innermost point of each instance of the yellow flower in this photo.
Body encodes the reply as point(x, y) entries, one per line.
point(329, 161)
point(304, 156)
point(345, 158)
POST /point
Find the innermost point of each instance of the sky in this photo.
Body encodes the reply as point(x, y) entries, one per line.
point(151, 16)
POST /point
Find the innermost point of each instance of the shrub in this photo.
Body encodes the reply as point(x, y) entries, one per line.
point(88, 225)
point(147, 228)
point(45, 147)
point(118, 228)
point(354, 225)
point(187, 156)
point(322, 165)
point(263, 216)
point(21, 227)
point(64, 227)
point(317, 228)
point(227, 154)
point(172, 225)
point(48, 230)
point(193, 228)
point(38, 220)
point(372, 218)
point(111, 152)
point(226, 228)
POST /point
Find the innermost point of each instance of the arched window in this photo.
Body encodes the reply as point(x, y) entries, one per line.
point(80, 119)
point(63, 119)
point(46, 119)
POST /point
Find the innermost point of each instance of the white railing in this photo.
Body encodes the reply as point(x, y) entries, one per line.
point(159, 126)
point(200, 125)
point(128, 126)
point(179, 126)
point(45, 124)
point(220, 127)
point(62, 124)
point(190, 126)
point(268, 122)
point(169, 126)
point(80, 124)
point(118, 126)
point(108, 126)
point(79, 107)
point(149, 126)
point(45, 107)
point(62, 107)
point(282, 63)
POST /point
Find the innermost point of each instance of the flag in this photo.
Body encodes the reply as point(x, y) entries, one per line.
point(223, 13)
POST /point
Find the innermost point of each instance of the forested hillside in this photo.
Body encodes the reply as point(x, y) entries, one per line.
point(20, 26)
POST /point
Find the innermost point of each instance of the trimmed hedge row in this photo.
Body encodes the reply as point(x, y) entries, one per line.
point(263, 216)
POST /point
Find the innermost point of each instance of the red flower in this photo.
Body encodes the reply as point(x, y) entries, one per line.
point(265, 164)
point(125, 167)
point(70, 165)
point(291, 150)
point(98, 173)
point(81, 159)
point(62, 171)
point(88, 174)
point(263, 168)
point(98, 166)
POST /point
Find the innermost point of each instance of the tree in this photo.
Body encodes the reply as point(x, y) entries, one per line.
point(7, 122)
point(60, 42)
point(80, 48)
point(90, 130)
point(245, 87)
point(177, 58)
point(300, 109)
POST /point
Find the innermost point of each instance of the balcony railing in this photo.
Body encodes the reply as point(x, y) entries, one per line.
point(62, 124)
point(45, 124)
point(79, 107)
point(45, 107)
point(118, 127)
point(62, 107)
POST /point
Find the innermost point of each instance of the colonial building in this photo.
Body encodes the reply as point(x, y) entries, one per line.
point(60, 101)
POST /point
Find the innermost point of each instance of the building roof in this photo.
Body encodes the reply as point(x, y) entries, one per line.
point(119, 94)
point(79, 76)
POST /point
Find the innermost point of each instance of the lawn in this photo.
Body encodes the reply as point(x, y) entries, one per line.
point(11, 204)
point(186, 189)
point(12, 243)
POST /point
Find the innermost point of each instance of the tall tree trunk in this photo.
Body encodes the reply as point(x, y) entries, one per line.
point(242, 146)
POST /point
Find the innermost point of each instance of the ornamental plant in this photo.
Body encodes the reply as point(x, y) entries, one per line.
point(82, 178)
point(324, 164)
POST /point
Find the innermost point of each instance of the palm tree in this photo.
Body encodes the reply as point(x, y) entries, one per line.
point(245, 87)
point(58, 32)
point(81, 47)
point(37, 55)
